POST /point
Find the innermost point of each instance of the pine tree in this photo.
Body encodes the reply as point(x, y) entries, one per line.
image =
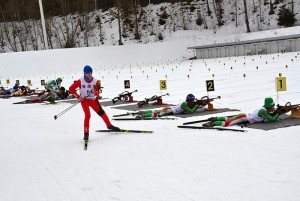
point(286, 17)
point(246, 17)
point(271, 12)
point(199, 20)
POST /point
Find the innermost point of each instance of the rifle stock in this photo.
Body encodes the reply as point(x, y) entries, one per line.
point(123, 95)
point(287, 107)
point(206, 100)
point(153, 98)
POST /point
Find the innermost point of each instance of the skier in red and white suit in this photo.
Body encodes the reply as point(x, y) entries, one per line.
point(89, 94)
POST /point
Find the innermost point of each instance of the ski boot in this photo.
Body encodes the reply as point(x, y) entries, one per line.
point(112, 127)
point(208, 124)
point(212, 119)
point(140, 115)
point(86, 136)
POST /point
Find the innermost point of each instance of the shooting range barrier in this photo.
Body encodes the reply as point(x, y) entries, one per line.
point(282, 44)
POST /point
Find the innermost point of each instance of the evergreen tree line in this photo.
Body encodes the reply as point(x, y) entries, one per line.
point(83, 23)
point(16, 10)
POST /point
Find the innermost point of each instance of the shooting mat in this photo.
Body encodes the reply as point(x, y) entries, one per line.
point(202, 112)
point(284, 121)
point(134, 107)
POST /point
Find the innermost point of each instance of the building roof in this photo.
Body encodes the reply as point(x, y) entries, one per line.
point(263, 40)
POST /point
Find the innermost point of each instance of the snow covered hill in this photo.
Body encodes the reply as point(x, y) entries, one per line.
point(155, 23)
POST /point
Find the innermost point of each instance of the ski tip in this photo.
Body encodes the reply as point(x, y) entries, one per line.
point(135, 118)
point(124, 131)
point(85, 144)
point(213, 128)
point(186, 123)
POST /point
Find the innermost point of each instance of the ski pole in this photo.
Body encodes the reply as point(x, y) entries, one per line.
point(67, 109)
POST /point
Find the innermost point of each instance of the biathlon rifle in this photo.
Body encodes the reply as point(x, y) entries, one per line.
point(2, 89)
point(287, 108)
point(148, 100)
point(206, 100)
point(123, 96)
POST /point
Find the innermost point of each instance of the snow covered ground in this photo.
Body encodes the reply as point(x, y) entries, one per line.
point(43, 159)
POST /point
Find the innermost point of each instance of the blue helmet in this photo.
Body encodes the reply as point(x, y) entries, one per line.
point(190, 97)
point(15, 87)
point(87, 69)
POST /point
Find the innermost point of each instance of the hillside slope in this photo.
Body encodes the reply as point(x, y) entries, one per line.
point(155, 23)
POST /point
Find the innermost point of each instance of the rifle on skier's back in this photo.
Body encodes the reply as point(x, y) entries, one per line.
point(123, 96)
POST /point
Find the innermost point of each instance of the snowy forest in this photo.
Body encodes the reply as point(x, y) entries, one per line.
point(89, 23)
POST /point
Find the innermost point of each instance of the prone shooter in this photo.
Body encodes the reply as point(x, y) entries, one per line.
point(190, 105)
